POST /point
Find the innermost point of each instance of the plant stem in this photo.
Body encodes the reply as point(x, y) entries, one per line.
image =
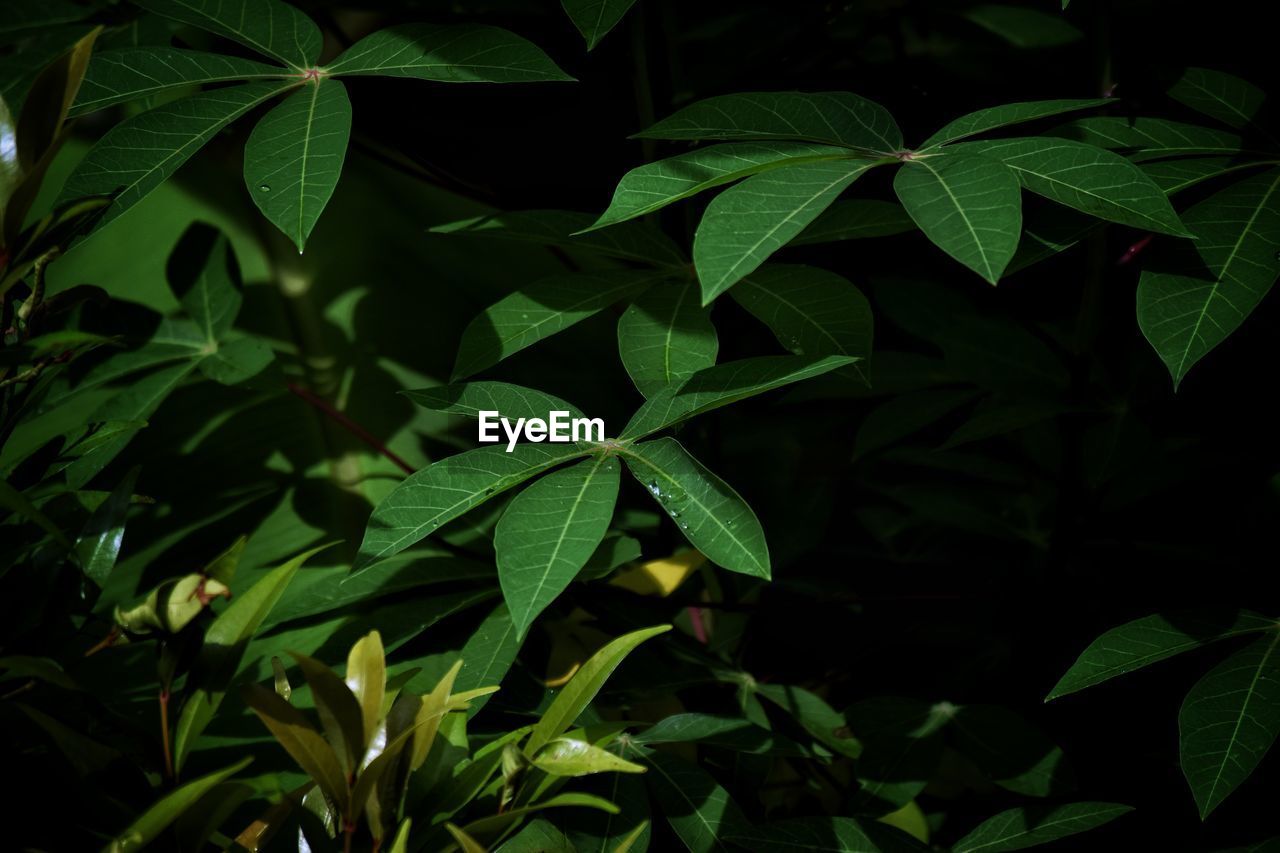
point(164, 733)
point(348, 833)
point(324, 406)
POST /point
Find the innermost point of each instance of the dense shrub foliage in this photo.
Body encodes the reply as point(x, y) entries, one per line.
point(927, 339)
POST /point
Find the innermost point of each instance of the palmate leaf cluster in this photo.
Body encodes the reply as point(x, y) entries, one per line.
point(225, 470)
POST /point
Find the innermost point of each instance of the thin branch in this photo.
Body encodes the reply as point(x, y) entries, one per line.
point(349, 425)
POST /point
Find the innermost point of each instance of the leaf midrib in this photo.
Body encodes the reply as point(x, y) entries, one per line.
point(986, 262)
point(1235, 731)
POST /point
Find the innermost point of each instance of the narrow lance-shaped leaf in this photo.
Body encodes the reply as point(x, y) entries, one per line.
point(99, 542)
point(472, 398)
point(140, 153)
point(810, 311)
point(666, 336)
point(594, 18)
point(714, 518)
point(1230, 100)
point(1018, 829)
point(1229, 721)
point(303, 743)
point(1149, 138)
point(1174, 176)
point(1150, 639)
point(446, 489)
point(134, 73)
point(271, 27)
point(459, 54)
point(573, 699)
point(169, 808)
point(542, 309)
point(969, 206)
point(724, 384)
point(836, 118)
point(633, 241)
point(748, 222)
point(367, 678)
point(339, 710)
point(572, 757)
point(293, 158)
point(653, 186)
point(547, 534)
point(1089, 179)
point(1192, 299)
point(1005, 115)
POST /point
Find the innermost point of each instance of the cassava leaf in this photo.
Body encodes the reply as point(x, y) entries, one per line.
point(632, 241)
point(1149, 138)
point(856, 219)
point(471, 398)
point(1005, 115)
point(271, 27)
point(457, 54)
point(969, 206)
point(1018, 829)
point(665, 336)
point(1023, 27)
point(293, 158)
point(134, 73)
point(1230, 100)
point(547, 534)
point(714, 518)
point(699, 809)
point(594, 18)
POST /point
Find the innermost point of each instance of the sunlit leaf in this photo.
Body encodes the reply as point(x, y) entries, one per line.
point(367, 678)
point(99, 542)
point(572, 757)
point(271, 27)
point(312, 753)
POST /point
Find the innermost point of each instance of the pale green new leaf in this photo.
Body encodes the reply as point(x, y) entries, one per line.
point(140, 153)
point(666, 336)
point(148, 826)
point(712, 516)
point(835, 118)
point(969, 206)
point(810, 311)
point(446, 489)
point(1229, 721)
point(1018, 829)
point(134, 73)
point(300, 739)
point(293, 158)
point(471, 398)
point(574, 698)
point(458, 54)
point(1151, 639)
point(572, 757)
point(548, 532)
point(1230, 100)
point(724, 384)
point(747, 223)
point(1149, 138)
point(699, 809)
point(540, 310)
point(1005, 115)
point(856, 219)
point(594, 18)
point(1090, 179)
point(271, 27)
point(1190, 303)
point(653, 186)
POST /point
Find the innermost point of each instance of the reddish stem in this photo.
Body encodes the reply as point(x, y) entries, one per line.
point(1134, 250)
point(164, 733)
point(699, 626)
point(351, 426)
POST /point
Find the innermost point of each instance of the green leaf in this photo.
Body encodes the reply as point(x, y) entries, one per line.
point(572, 757)
point(141, 153)
point(969, 206)
point(1229, 721)
point(604, 832)
point(723, 384)
point(1191, 300)
point(1022, 27)
point(735, 733)
point(574, 698)
point(1149, 138)
point(540, 310)
point(488, 654)
point(223, 648)
point(460, 54)
point(538, 836)
point(237, 361)
point(446, 489)
point(747, 223)
point(1005, 115)
point(134, 73)
point(1150, 639)
point(169, 808)
point(827, 726)
point(632, 241)
point(1011, 752)
point(665, 336)
point(339, 710)
point(271, 27)
point(1174, 176)
point(312, 753)
point(99, 542)
point(700, 811)
point(856, 219)
point(16, 502)
point(204, 276)
point(594, 18)
point(1018, 829)
point(547, 534)
point(471, 398)
point(1230, 100)
point(841, 834)
point(810, 311)
point(712, 516)
point(293, 158)
point(653, 186)
point(836, 118)
point(1090, 179)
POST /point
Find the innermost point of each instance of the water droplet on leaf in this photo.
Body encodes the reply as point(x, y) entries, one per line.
point(266, 188)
